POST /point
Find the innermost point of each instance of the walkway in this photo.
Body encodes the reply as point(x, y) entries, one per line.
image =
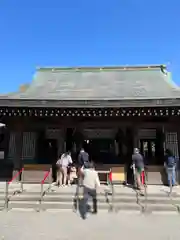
point(104, 226)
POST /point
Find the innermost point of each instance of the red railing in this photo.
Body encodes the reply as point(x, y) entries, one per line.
point(17, 174)
point(45, 177)
point(110, 177)
point(7, 187)
point(143, 177)
point(42, 190)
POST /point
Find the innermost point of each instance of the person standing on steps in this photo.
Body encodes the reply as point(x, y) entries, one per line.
point(83, 158)
point(83, 161)
point(62, 165)
point(170, 165)
point(138, 166)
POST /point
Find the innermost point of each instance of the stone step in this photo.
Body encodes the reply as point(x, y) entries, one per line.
point(161, 208)
point(132, 194)
point(72, 192)
point(49, 197)
point(10, 192)
point(66, 205)
point(69, 206)
point(117, 199)
point(2, 204)
point(2, 196)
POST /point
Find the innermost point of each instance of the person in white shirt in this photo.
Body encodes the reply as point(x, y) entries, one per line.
point(62, 165)
point(90, 184)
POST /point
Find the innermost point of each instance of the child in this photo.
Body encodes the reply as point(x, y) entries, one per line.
point(72, 174)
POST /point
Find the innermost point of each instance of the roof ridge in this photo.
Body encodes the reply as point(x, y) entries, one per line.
point(125, 67)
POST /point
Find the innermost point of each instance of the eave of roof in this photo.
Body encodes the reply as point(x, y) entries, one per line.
point(90, 68)
point(32, 103)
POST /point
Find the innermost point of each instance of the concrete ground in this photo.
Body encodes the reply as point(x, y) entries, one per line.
point(68, 225)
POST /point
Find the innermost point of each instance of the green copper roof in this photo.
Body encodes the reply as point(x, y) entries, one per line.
point(106, 83)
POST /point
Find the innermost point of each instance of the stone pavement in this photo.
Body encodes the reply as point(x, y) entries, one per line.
point(104, 226)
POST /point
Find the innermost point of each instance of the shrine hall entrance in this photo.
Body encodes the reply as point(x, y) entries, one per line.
point(101, 151)
point(148, 149)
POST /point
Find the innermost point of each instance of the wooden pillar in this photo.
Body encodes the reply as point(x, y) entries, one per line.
point(135, 137)
point(78, 139)
point(4, 143)
point(17, 160)
point(120, 138)
point(6, 165)
point(160, 137)
point(18, 164)
point(129, 145)
point(40, 146)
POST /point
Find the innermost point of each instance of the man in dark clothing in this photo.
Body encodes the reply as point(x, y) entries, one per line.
point(83, 161)
point(138, 166)
point(83, 158)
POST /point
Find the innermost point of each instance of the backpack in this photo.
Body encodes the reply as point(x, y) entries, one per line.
point(170, 162)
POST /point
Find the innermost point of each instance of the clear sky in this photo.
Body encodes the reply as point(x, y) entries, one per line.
point(86, 32)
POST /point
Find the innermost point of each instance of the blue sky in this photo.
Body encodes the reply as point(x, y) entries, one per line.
point(85, 32)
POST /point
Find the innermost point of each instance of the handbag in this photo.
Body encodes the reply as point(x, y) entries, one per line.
point(58, 163)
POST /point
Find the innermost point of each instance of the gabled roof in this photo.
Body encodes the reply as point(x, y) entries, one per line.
point(130, 83)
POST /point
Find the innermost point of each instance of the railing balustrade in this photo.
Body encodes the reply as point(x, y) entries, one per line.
point(47, 175)
point(9, 182)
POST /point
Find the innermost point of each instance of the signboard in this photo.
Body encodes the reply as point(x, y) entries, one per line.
point(119, 177)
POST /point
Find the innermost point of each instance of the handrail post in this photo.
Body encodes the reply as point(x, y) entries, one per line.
point(41, 197)
point(49, 178)
point(112, 199)
point(18, 175)
point(6, 195)
point(170, 183)
point(22, 180)
point(42, 190)
point(112, 189)
point(145, 190)
point(135, 184)
point(77, 194)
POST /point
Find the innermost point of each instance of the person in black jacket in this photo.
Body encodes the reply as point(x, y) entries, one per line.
point(83, 161)
point(83, 158)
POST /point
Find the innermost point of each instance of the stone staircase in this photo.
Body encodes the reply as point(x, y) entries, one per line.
point(125, 199)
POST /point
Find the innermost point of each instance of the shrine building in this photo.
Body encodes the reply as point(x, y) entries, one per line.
point(108, 110)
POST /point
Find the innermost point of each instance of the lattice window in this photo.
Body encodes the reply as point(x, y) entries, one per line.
point(12, 145)
point(29, 145)
point(171, 142)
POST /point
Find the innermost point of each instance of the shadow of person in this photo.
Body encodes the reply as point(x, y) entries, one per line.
point(82, 207)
